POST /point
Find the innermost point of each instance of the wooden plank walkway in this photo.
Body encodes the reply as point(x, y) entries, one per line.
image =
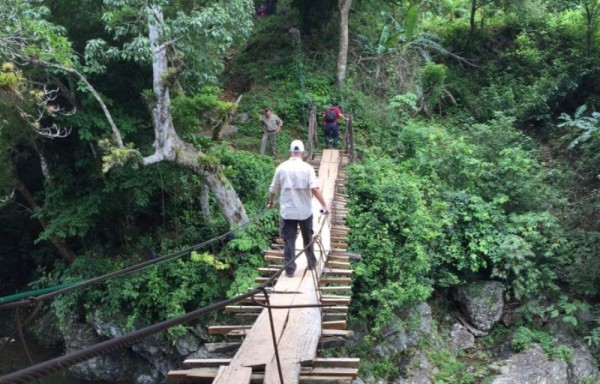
point(298, 331)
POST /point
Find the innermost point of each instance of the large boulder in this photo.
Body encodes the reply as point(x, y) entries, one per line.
point(415, 369)
point(481, 302)
point(582, 367)
point(405, 330)
point(532, 367)
point(119, 366)
point(460, 338)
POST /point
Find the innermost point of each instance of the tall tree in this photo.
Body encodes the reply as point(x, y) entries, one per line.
point(189, 43)
point(344, 6)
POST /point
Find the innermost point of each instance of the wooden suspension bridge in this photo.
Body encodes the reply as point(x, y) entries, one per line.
point(308, 310)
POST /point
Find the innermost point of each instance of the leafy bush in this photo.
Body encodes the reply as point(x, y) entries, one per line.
point(525, 337)
point(390, 204)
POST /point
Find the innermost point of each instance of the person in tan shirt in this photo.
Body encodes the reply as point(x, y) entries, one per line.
point(271, 125)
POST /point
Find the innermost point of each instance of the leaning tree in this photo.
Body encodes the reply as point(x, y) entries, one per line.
point(186, 43)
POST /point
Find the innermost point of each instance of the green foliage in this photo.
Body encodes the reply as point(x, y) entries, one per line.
point(593, 339)
point(589, 124)
point(433, 77)
point(201, 36)
point(155, 294)
point(118, 157)
point(208, 259)
point(388, 202)
point(199, 112)
point(27, 33)
point(524, 338)
point(449, 368)
point(582, 273)
point(250, 175)
point(248, 246)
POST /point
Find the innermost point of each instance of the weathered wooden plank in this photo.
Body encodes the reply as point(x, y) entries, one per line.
point(335, 316)
point(257, 309)
point(339, 288)
point(262, 280)
point(330, 362)
point(222, 347)
point(268, 271)
point(337, 271)
point(335, 280)
point(233, 374)
point(340, 256)
point(335, 324)
point(333, 362)
point(206, 363)
point(338, 300)
point(338, 333)
point(337, 264)
point(226, 329)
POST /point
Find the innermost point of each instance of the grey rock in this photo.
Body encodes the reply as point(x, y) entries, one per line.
point(121, 365)
point(460, 338)
point(148, 379)
point(532, 367)
point(405, 330)
point(581, 365)
point(415, 370)
point(46, 330)
point(187, 344)
point(482, 303)
point(157, 351)
point(229, 130)
point(242, 117)
point(106, 325)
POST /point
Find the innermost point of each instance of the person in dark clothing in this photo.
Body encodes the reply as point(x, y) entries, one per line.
point(330, 118)
point(271, 7)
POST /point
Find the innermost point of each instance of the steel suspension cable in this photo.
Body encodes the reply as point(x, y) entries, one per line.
point(54, 365)
point(131, 269)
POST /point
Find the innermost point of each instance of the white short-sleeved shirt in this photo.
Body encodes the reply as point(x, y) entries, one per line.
point(294, 180)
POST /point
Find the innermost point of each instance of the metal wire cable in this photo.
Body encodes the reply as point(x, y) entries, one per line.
point(133, 268)
point(51, 366)
point(43, 369)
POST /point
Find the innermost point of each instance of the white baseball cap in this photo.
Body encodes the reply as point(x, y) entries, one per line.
point(297, 146)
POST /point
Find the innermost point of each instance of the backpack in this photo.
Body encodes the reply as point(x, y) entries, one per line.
point(330, 115)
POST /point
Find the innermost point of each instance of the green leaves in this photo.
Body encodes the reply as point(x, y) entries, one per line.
point(198, 36)
point(589, 124)
point(26, 34)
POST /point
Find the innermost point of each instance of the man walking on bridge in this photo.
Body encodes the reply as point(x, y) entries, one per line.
point(295, 182)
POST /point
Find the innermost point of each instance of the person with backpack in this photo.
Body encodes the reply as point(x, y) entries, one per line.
point(271, 125)
point(330, 119)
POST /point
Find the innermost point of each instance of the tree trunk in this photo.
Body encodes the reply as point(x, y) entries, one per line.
point(343, 52)
point(472, 20)
point(62, 248)
point(204, 202)
point(169, 146)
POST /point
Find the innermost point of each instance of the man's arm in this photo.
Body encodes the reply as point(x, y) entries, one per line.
point(271, 200)
point(317, 193)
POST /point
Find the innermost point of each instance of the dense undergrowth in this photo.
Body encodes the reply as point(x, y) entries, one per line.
point(466, 172)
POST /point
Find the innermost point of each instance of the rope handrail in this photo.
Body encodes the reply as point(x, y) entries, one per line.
point(54, 365)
